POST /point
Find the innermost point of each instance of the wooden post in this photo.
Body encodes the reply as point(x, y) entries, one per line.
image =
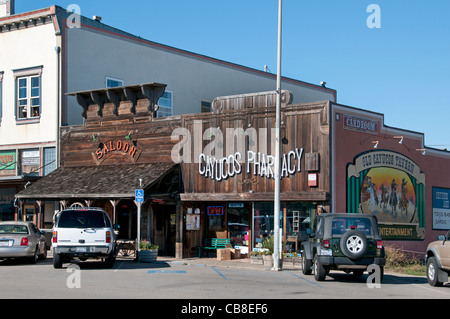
point(179, 222)
point(39, 219)
point(114, 203)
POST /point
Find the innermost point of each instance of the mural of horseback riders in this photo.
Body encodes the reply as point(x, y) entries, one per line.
point(383, 196)
point(390, 186)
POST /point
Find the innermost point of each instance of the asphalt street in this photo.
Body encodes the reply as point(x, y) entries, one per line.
point(195, 278)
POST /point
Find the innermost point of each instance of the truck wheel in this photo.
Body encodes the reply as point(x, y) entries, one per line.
point(109, 261)
point(432, 272)
point(306, 265)
point(319, 271)
point(354, 244)
point(57, 261)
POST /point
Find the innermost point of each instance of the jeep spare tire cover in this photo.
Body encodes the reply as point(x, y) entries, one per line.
point(354, 244)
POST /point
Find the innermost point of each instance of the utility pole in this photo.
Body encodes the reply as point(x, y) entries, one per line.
point(276, 240)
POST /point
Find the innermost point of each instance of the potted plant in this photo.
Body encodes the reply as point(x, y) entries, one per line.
point(268, 247)
point(267, 258)
point(256, 258)
point(288, 258)
point(267, 251)
point(148, 252)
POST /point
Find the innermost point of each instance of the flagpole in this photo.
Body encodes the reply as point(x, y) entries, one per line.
point(276, 240)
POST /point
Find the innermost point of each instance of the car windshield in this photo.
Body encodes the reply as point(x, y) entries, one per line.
point(341, 225)
point(13, 229)
point(81, 219)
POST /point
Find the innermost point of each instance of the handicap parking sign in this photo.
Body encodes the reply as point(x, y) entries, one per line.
point(139, 195)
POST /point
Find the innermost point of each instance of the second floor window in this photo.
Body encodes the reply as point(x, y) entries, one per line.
point(112, 83)
point(165, 103)
point(28, 97)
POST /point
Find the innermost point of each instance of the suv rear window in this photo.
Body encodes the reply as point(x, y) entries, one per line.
point(82, 219)
point(340, 226)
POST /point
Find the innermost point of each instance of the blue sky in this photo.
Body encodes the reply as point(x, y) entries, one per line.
point(401, 69)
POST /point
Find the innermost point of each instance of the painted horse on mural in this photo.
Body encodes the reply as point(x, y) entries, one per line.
point(373, 198)
point(384, 197)
point(393, 200)
point(403, 205)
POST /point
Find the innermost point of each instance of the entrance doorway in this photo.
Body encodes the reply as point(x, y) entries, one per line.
point(165, 229)
point(126, 212)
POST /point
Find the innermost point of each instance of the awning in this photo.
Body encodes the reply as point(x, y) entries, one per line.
point(94, 182)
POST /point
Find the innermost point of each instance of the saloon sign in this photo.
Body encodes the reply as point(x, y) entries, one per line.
point(123, 147)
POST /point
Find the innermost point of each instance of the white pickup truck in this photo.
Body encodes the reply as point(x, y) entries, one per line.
point(83, 233)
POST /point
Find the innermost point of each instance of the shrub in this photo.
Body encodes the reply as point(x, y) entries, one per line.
point(146, 245)
point(401, 261)
point(268, 244)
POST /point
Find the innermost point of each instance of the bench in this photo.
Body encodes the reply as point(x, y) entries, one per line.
point(213, 244)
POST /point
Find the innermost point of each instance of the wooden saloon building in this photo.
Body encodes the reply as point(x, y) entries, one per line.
point(204, 175)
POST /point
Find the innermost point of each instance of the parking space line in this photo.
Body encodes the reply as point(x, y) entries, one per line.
point(166, 271)
point(221, 275)
point(308, 281)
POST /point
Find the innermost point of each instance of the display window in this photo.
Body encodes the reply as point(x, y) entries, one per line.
point(238, 222)
point(295, 219)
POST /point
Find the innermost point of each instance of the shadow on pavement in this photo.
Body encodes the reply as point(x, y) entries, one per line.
point(395, 279)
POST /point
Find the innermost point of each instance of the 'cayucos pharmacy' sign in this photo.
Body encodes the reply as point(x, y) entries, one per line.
point(256, 163)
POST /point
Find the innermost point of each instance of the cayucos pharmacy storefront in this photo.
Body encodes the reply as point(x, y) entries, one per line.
point(228, 170)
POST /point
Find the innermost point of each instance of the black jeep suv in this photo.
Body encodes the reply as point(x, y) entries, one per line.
point(348, 242)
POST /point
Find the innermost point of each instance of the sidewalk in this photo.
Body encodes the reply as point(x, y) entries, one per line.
point(244, 263)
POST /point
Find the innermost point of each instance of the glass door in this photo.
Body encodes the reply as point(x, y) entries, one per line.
point(238, 222)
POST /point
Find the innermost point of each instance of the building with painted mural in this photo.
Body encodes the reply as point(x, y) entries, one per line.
point(389, 172)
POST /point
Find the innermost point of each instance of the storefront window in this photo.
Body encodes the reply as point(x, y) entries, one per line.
point(6, 204)
point(263, 222)
point(238, 224)
point(216, 220)
point(294, 221)
point(298, 218)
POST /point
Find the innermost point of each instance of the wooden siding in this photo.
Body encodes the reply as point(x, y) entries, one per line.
point(121, 133)
point(303, 126)
point(152, 137)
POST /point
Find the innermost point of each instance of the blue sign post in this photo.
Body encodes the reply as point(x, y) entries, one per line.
point(139, 196)
point(139, 199)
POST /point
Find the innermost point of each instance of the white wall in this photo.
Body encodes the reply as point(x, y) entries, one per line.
point(92, 55)
point(26, 48)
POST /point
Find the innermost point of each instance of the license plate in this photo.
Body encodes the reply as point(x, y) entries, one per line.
point(5, 243)
point(326, 252)
point(81, 249)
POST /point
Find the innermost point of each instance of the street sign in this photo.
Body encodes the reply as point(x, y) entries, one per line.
point(139, 195)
